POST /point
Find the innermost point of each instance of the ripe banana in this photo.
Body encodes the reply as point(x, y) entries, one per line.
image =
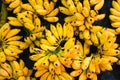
point(99, 5)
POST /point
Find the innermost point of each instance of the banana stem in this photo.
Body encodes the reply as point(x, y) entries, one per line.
point(4, 13)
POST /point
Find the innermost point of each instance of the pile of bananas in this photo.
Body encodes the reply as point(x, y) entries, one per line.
point(60, 50)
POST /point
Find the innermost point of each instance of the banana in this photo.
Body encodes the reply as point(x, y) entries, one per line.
point(94, 38)
point(52, 6)
point(2, 57)
point(86, 4)
point(27, 40)
point(4, 73)
point(29, 26)
point(113, 11)
point(4, 30)
point(96, 29)
point(32, 2)
point(54, 30)
point(15, 23)
point(46, 5)
point(112, 52)
point(8, 1)
point(83, 75)
point(99, 5)
point(12, 33)
point(9, 52)
point(17, 9)
point(59, 30)
point(22, 78)
point(85, 11)
point(51, 19)
point(51, 38)
point(39, 73)
point(14, 38)
point(65, 28)
point(61, 77)
point(25, 71)
point(70, 18)
point(65, 10)
point(41, 12)
point(32, 37)
point(53, 58)
point(116, 5)
point(22, 64)
point(64, 3)
point(56, 77)
point(86, 62)
point(94, 2)
point(37, 21)
point(71, 6)
point(69, 44)
point(44, 41)
point(79, 7)
point(115, 24)
point(14, 4)
point(39, 2)
point(66, 76)
point(70, 31)
point(92, 66)
point(28, 7)
point(86, 34)
point(76, 73)
point(79, 16)
point(10, 58)
point(93, 13)
point(7, 67)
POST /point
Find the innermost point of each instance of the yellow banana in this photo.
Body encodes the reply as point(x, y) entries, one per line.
point(22, 78)
point(59, 30)
point(51, 68)
point(116, 5)
point(53, 58)
point(66, 76)
point(76, 73)
point(85, 11)
point(39, 73)
point(69, 44)
point(32, 37)
point(94, 38)
point(86, 34)
point(51, 19)
point(39, 2)
point(61, 77)
point(4, 30)
point(32, 2)
point(27, 40)
point(115, 24)
point(15, 23)
point(22, 64)
point(76, 64)
point(70, 18)
point(51, 38)
point(111, 52)
point(99, 5)
point(9, 52)
point(17, 9)
point(46, 5)
point(14, 38)
point(41, 12)
point(93, 13)
point(2, 56)
point(56, 77)
point(29, 26)
point(27, 7)
point(65, 28)
point(79, 6)
point(25, 71)
point(83, 75)
point(94, 2)
point(8, 1)
point(96, 28)
point(37, 21)
point(12, 33)
point(14, 4)
point(44, 41)
point(79, 16)
point(86, 49)
point(114, 12)
point(86, 4)
point(4, 73)
point(86, 62)
point(10, 58)
point(65, 10)
point(7, 67)
point(64, 3)
point(70, 31)
point(52, 6)
point(54, 30)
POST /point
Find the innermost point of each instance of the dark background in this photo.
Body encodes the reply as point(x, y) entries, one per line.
point(108, 75)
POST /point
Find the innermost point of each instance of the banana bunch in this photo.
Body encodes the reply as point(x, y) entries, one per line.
point(15, 70)
point(114, 15)
point(10, 44)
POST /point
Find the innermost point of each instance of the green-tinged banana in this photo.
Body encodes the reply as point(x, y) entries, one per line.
point(27, 7)
point(94, 38)
point(86, 34)
point(51, 19)
point(17, 9)
point(14, 4)
point(2, 56)
point(41, 12)
point(12, 33)
point(83, 75)
point(66, 76)
point(76, 73)
point(114, 12)
point(71, 6)
point(70, 18)
point(59, 30)
point(69, 44)
point(64, 3)
point(115, 24)
point(86, 4)
point(51, 38)
point(29, 26)
point(54, 30)
point(39, 73)
point(116, 5)
point(99, 5)
point(65, 10)
point(7, 67)
point(86, 62)
point(85, 11)
point(79, 6)
point(4, 73)
point(111, 52)
point(32, 2)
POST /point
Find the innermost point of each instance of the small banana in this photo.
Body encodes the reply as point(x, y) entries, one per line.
point(51, 19)
point(86, 34)
point(14, 4)
point(116, 5)
point(99, 5)
point(4, 73)
point(66, 76)
point(65, 10)
point(27, 6)
point(115, 24)
point(79, 6)
point(113, 11)
point(69, 44)
point(2, 56)
point(76, 73)
point(85, 11)
point(32, 2)
point(83, 75)
point(29, 26)
point(17, 9)
point(64, 3)
point(47, 47)
point(86, 4)
point(59, 30)
point(94, 38)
